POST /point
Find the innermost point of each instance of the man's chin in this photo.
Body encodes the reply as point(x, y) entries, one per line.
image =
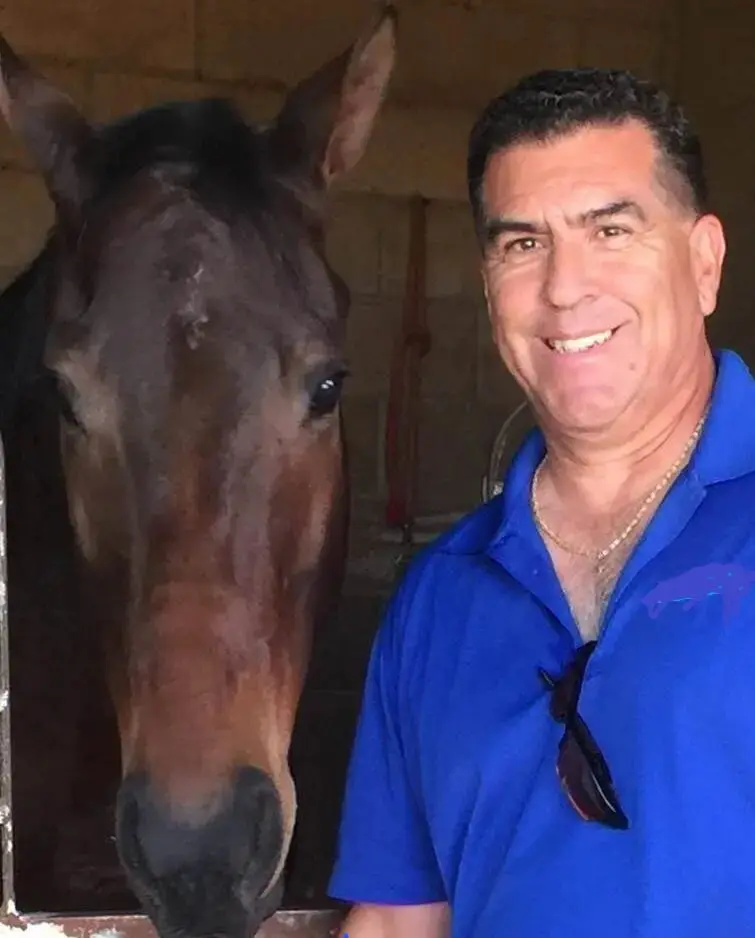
point(582, 415)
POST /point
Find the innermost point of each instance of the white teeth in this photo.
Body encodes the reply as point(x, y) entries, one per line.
point(579, 345)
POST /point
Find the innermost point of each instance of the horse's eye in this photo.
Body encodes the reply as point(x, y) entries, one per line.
point(327, 393)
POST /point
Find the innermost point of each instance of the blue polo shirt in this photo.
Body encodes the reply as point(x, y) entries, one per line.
point(452, 792)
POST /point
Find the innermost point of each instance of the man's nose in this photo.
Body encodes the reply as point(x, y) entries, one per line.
point(568, 274)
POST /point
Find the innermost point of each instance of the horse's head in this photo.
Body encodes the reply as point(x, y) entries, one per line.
point(197, 332)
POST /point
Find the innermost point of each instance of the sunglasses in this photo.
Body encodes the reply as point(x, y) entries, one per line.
point(581, 767)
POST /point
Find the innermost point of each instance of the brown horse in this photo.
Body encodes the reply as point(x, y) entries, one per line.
point(177, 351)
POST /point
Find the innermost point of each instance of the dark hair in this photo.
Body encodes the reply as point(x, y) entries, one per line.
point(557, 101)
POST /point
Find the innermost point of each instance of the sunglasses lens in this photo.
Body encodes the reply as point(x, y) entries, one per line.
point(587, 783)
point(571, 773)
point(581, 768)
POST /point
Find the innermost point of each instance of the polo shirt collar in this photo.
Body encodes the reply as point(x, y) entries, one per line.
point(727, 446)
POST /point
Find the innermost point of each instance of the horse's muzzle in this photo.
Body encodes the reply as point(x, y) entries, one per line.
point(203, 880)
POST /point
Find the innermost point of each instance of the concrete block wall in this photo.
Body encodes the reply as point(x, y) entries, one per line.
point(462, 389)
point(454, 55)
point(717, 80)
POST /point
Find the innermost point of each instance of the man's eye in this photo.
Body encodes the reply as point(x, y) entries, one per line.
point(611, 231)
point(521, 245)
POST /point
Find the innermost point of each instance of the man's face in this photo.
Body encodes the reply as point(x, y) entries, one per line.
point(598, 279)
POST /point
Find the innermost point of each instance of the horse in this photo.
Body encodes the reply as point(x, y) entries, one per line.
point(171, 369)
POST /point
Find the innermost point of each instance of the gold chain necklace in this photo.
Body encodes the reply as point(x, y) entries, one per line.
point(600, 556)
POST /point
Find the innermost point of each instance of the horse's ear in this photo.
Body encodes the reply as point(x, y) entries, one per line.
point(326, 121)
point(55, 134)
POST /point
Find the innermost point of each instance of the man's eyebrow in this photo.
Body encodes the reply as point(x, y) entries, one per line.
point(620, 207)
point(494, 227)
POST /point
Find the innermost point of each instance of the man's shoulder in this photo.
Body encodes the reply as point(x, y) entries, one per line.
point(448, 565)
point(468, 537)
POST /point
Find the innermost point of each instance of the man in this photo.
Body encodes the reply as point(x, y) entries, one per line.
point(558, 731)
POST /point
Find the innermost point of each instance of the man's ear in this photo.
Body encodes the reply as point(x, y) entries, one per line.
point(707, 249)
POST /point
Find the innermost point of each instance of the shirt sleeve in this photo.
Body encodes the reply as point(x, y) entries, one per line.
point(384, 850)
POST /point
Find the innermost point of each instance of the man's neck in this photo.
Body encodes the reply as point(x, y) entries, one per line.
point(604, 474)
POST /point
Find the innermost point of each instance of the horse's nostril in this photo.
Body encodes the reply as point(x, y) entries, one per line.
point(207, 877)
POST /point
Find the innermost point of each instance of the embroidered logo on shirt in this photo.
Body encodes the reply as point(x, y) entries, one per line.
point(728, 580)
